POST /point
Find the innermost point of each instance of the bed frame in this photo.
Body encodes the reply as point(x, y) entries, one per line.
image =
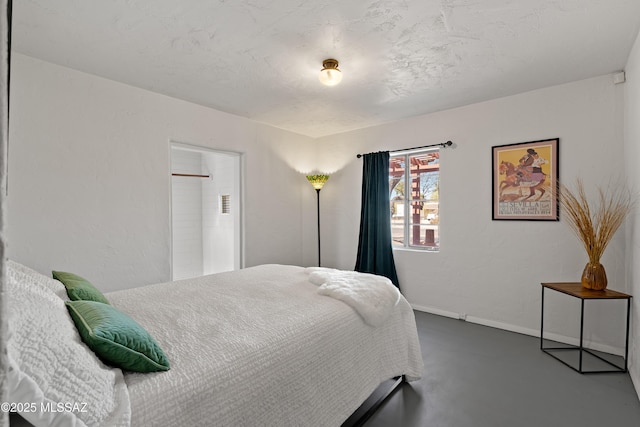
point(374, 402)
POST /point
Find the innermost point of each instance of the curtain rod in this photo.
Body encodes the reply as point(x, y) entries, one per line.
point(442, 144)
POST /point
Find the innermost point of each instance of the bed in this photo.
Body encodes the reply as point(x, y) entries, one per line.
point(270, 345)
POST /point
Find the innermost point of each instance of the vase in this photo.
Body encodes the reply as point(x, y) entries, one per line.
point(594, 277)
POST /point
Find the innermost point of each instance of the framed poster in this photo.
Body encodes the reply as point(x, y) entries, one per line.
point(525, 181)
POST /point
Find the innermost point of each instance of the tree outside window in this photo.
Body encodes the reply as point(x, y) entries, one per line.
point(414, 190)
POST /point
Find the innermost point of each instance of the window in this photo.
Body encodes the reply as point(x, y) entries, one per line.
point(414, 184)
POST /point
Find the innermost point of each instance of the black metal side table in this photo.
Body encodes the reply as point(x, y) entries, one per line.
point(576, 290)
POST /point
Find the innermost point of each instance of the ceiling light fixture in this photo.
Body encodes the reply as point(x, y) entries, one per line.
point(330, 75)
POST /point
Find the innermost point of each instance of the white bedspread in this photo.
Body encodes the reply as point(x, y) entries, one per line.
point(261, 347)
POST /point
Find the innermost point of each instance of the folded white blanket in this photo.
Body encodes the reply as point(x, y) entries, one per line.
point(372, 297)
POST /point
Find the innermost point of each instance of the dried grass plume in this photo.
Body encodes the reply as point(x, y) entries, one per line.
point(595, 225)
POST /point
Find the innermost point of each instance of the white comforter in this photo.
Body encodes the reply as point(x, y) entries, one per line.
point(261, 347)
point(373, 297)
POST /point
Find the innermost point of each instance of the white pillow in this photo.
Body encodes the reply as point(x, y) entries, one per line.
point(25, 273)
point(50, 368)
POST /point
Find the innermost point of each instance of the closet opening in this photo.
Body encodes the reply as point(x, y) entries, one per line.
point(206, 211)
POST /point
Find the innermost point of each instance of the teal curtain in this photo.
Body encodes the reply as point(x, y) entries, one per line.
point(375, 254)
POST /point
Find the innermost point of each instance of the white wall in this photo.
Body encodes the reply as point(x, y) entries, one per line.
point(186, 215)
point(89, 191)
point(221, 248)
point(632, 154)
point(491, 270)
point(89, 188)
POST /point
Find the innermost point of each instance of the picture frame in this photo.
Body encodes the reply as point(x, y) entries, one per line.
point(525, 181)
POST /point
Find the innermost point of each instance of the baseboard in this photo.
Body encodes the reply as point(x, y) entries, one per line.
point(618, 351)
point(635, 379)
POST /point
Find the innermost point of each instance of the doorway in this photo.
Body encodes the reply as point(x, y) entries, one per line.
point(206, 211)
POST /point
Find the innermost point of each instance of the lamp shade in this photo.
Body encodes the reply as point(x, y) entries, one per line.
point(317, 180)
point(330, 75)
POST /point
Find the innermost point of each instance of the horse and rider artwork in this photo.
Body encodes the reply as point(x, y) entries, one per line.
point(525, 177)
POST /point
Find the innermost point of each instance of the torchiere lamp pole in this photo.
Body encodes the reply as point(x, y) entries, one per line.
point(318, 182)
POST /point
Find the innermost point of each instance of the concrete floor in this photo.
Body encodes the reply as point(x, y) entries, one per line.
point(477, 376)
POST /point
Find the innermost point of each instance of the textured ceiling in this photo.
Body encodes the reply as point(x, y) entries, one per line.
point(260, 58)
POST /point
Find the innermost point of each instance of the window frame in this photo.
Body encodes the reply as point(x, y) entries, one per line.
point(407, 199)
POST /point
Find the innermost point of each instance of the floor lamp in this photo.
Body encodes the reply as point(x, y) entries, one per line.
point(318, 182)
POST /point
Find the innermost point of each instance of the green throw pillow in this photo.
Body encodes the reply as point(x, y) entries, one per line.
point(116, 338)
point(79, 288)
